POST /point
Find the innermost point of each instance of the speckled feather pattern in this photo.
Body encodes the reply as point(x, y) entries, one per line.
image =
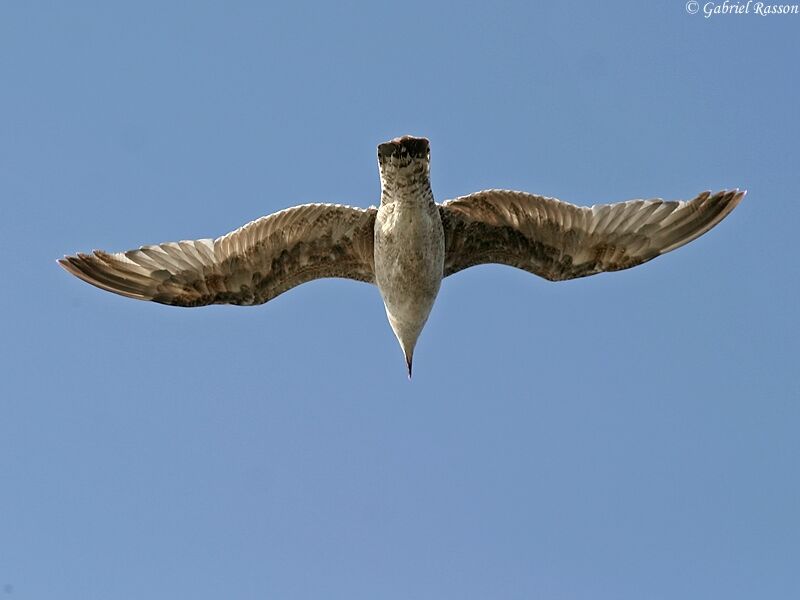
point(250, 265)
point(558, 240)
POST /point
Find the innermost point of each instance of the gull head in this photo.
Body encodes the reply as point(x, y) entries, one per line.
point(404, 161)
point(404, 149)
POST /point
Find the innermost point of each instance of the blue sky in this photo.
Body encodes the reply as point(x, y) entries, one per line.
point(630, 435)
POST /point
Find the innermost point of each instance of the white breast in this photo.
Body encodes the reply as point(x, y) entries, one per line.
point(409, 261)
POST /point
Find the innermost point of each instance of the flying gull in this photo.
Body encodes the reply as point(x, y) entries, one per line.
point(406, 246)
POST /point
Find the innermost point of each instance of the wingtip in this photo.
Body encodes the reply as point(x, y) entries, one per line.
point(65, 262)
point(409, 360)
point(735, 196)
point(730, 197)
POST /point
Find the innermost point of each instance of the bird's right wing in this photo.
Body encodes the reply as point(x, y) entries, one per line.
point(251, 265)
point(558, 240)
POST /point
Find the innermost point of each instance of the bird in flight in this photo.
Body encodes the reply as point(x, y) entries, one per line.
point(406, 246)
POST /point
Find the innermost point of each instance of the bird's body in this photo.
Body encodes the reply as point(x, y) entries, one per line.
point(409, 243)
point(406, 246)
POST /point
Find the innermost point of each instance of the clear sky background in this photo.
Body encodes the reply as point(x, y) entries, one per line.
point(630, 435)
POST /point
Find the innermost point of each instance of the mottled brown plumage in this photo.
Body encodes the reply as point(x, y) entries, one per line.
point(406, 246)
point(558, 240)
point(251, 265)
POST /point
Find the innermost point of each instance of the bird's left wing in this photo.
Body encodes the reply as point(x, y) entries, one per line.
point(251, 265)
point(558, 240)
